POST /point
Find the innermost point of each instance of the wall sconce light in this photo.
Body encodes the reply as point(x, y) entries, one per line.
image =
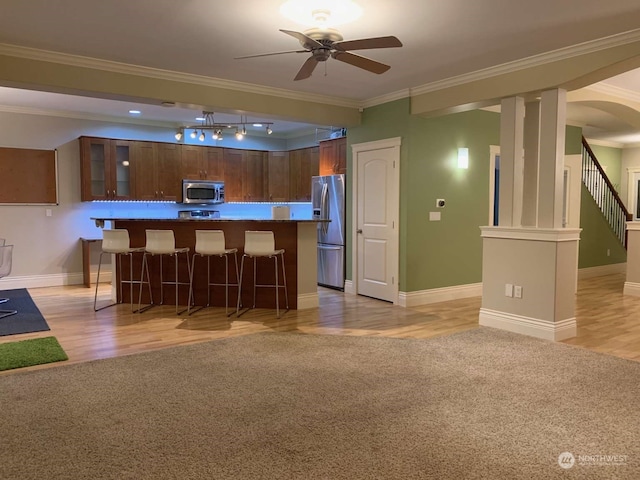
point(463, 158)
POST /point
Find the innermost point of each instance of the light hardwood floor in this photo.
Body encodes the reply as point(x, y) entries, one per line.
point(608, 322)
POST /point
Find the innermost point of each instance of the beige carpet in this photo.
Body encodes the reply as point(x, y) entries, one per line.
point(482, 404)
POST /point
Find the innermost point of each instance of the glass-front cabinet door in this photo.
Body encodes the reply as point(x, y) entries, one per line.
point(121, 174)
point(105, 169)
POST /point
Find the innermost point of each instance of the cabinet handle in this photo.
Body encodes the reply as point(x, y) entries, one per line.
point(161, 194)
point(156, 194)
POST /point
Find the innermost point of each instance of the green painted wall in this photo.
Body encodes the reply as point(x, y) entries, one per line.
point(447, 252)
point(611, 160)
point(596, 236)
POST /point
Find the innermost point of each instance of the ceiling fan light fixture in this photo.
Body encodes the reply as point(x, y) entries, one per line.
point(321, 13)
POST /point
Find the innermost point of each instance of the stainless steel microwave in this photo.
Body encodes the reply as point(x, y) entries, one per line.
point(202, 192)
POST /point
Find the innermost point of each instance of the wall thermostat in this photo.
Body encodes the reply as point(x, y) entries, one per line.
point(440, 203)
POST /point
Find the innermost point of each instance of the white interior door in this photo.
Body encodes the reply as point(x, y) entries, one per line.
point(376, 205)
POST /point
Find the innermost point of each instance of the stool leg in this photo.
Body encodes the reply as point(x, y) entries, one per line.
point(176, 262)
point(275, 264)
point(161, 282)
point(254, 281)
point(95, 298)
point(226, 285)
point(240, 286)
point(130, 280)
point(235, 256)
point(193, 262)
point(208, 280)
point(284, 280)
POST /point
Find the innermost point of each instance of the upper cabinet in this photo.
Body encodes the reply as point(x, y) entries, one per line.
point(278, 168)
point(153, 171)
point(333, 156)
point(303, 164)
point(157, 171)
point(202, 163)
point(106, 167)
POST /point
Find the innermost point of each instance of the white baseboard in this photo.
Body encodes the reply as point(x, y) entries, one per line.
point(602, 270)
point(631, 288)
point(534, 327)
point(308, 300)
point(435, 295)
point(52, 280)
point(348, 287)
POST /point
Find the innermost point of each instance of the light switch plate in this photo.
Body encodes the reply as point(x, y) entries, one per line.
point(508, 290)
point(517, 291)
point(434, 216)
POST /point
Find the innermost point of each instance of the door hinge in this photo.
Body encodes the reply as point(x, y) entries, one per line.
point(393, 280)
point(394, 164)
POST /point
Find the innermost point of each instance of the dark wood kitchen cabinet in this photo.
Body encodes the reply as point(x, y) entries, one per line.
point(255, 180)
point(333, 156)
point(232, 168)
point(303, 164)
point(105, 166)
point(278, 181)
point(157, 171)
point(202, 163)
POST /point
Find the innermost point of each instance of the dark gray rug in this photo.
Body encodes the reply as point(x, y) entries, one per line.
point(483, 404)
point(28, 319)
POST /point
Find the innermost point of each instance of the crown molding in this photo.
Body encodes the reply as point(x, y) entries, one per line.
point(386, 98)
point(606, 143)
point(614, 91)
point(85, 116)
point(533, 61)
point(129, 69)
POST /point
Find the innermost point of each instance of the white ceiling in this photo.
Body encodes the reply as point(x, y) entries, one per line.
point(440, 39)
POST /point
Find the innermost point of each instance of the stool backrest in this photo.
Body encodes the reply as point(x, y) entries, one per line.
point(2, 241)
point(6, 252)
point(115, 240)
point(160, 241)
point(210, 242)
point(259, 242)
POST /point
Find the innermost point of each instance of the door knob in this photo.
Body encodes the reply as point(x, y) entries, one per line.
point(359, 230)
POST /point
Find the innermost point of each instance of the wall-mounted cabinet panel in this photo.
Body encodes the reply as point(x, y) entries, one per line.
point(28, 176)
point(202, 163)
point(233, 166)
point(255, 179)
point(278, 167)
point(106, 169)
point(145, 161)
point(303, 164)
point(333, 156)
point(167, 171)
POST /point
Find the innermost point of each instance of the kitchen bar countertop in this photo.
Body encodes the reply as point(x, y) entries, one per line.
point(225, 219)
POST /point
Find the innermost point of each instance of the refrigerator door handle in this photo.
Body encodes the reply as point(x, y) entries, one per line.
point(324, 247)
point(325, 208)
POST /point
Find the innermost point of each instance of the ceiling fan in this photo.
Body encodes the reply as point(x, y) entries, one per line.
point(328, 42)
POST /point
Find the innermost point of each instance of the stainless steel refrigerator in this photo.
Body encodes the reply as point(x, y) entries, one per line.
point(328, 198)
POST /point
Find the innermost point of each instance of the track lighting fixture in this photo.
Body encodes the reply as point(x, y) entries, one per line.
point(209, 123)
point(178, 135)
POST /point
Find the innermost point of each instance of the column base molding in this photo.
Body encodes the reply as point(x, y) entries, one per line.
point(534, 327)
point(308, 300)
point(631, 288)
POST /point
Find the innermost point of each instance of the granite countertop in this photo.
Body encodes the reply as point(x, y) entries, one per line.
point(227, 219)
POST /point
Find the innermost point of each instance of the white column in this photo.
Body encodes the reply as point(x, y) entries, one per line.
point(531, 164)
point(553, 119)
point(511, 161)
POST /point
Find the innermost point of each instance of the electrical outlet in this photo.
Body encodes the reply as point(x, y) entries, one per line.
point(517, 291)
point(608, 252)
point(508, 290)
point(48, 212)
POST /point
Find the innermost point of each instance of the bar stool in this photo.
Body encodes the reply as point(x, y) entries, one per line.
point(210, 243)
point(262, 244)
point(161, 242)
point(116, 242)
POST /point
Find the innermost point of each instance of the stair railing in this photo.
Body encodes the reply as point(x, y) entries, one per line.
point(604, 194)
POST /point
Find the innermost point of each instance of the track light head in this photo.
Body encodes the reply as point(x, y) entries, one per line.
point(269, 131)
point(193, 134)
point(178, 135)
point(201, 137)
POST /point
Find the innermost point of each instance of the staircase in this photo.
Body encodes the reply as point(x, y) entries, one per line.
point(604, 194)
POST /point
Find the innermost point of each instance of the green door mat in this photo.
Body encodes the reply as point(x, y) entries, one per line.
point(30, 352)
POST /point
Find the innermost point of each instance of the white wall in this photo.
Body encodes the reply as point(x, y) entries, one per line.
point(630, 161)
point(47, 249)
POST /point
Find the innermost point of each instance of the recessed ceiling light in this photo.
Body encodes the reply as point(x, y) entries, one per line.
point(321, 13)
point(135, 112)
point(200, 119)
point(257, 124)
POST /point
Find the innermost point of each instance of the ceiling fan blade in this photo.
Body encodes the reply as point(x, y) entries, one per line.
point(361, 62)
point(306, 41)
point(269, 54)
point(307, 68)
point(366, 43)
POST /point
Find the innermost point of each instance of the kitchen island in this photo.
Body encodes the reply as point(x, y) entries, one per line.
point(297, 237)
